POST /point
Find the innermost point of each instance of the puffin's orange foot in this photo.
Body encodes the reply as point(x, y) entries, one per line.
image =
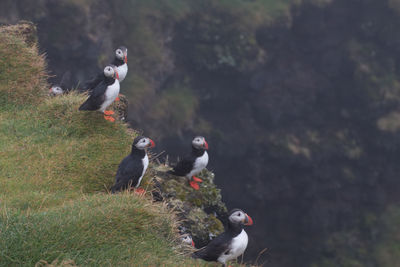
point(117, 99)
point(109, 118)
point(194, 185)
point(140, 191)
point(197, 179)
point(109, 112)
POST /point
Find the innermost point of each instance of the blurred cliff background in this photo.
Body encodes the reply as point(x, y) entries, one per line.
point(299, 101)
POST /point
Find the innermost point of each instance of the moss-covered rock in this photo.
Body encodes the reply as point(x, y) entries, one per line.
point(197, 210)
point(121, 107)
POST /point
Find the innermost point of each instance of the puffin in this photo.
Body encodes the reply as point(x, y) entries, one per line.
point(187, 239)
point(120, 61)
point(193, 163)
point(61, 88)
point(230, 244)
point(105, 92)
point(132, 167)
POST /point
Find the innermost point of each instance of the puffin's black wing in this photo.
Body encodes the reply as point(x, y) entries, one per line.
point(129, 171)
point(96, 98)
point(214, 249)
point(184, 166)
point(89, 85)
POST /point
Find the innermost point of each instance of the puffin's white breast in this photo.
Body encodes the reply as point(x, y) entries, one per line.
point(199, 164)
point(237, 247)
point(111, 94)
point(122, 71)
point(145, 162)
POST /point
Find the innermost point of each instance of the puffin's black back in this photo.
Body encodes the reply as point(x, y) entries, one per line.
point(97, 97)
point(185, 165)
point(130, 169)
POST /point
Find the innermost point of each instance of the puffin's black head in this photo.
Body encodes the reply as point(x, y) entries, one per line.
point(142, 142)
point(122, 53)
point(110, 71)
point(237, 216)
point(199, 142)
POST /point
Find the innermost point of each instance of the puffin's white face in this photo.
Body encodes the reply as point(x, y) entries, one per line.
point(122, 54)
point(200, 142)
point(56, 90)
point(187, 239)
point(144, 142)
point(239, 217)
point(109, 71)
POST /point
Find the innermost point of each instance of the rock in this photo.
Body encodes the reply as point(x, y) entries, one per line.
point(199, 211)
point(121, 107)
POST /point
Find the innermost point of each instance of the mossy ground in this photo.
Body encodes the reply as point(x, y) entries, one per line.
point(56, 165)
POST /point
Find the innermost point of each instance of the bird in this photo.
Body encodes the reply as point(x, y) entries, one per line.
point(120, 61)
point(61, 88)
point(104, 93)
point(132, 167)
point(187, 239)
point(193, 163)
point(230, 244)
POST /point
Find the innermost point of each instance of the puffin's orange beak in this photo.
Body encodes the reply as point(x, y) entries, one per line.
point(50, 90)
point(193, 244)
point(116, 75)
point(248, 220)
point(205, 145)
point(152, 144)
point(126, 58)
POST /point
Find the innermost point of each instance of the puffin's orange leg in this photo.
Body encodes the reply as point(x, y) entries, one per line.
point(196, 179)
point(139, 191)
point(109, 118)
point(109, 112)
point(194, 185)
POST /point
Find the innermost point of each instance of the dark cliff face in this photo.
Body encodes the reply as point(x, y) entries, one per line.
point(306, 137)
point(301, 111)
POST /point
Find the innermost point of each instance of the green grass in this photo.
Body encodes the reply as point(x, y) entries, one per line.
point(94, 230)
point(56, 164)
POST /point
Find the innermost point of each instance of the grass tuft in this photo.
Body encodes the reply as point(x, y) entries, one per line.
point(22, 70)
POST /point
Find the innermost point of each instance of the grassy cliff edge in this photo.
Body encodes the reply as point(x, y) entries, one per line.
point(55, 167)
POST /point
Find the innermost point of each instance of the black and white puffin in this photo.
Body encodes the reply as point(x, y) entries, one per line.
point(193, 163)
point(230, 244)
point(120, 61)
point(132, 167)
point(104, 93)
point(61, 88)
